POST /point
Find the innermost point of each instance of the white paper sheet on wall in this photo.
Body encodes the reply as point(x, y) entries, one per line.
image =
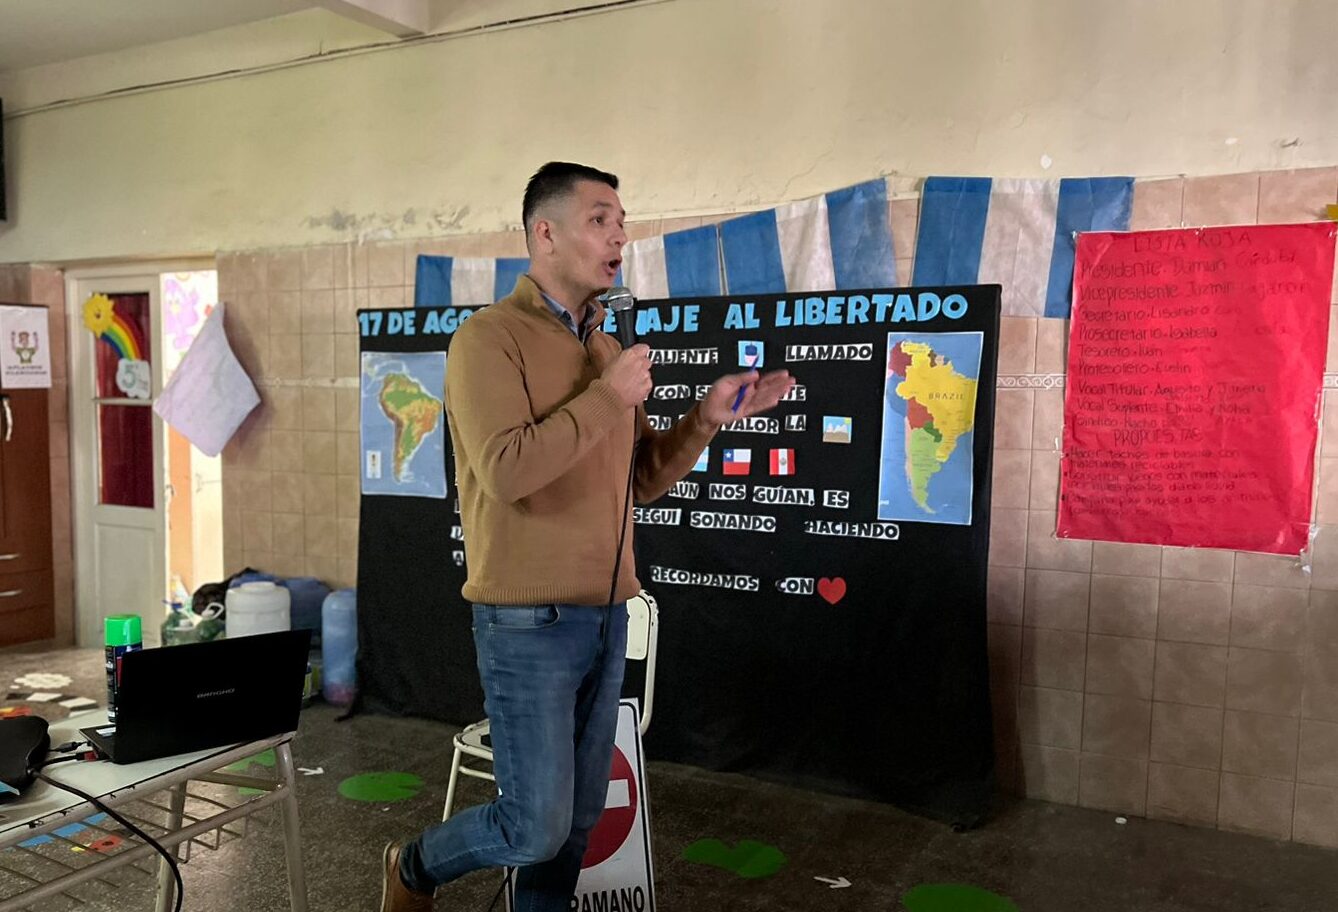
point(25, 348)
point(210, 394)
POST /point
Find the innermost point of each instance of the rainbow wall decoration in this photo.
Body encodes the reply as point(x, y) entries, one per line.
point(125, 338)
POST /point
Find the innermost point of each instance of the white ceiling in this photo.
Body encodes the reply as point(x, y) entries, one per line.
point(33, 32)
point(37, 32)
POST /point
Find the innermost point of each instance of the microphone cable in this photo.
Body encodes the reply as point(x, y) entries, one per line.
point(627, 503)
point(621, 302)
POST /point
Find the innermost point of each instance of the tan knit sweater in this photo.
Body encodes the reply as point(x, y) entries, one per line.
point(541, 455)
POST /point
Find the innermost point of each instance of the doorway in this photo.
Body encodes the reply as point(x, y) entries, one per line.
point(147, 505)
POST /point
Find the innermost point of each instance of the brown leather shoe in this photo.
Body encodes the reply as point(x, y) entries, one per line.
point(395, 895)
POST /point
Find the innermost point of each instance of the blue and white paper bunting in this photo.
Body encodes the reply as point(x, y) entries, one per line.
point(442, 281)
point(682, 264)
point(841, 239)
point(1017, 233)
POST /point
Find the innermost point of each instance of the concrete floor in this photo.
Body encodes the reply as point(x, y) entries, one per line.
point(1041, 856)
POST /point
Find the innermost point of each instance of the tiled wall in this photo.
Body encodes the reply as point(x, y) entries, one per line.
point(1198, 686)
point(290, 476)
point(45, 286)
point(1193, 686)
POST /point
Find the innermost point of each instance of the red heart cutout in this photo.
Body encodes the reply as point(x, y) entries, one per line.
point(833, 590)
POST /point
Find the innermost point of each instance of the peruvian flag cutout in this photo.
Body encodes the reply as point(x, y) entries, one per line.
point(782, 462)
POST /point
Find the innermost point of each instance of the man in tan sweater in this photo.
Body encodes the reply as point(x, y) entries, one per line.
point(546, 417)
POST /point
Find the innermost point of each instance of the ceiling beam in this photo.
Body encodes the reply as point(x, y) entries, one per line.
point(402, 18)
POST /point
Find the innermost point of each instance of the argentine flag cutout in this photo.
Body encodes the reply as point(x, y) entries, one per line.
point(841, 239)
point(1016, 233)
point(442, 281)
point(683, 264)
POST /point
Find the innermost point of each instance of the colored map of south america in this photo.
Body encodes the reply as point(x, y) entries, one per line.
point(414, 413)
point(402, 425)
point(940, 407)
point(929, 416)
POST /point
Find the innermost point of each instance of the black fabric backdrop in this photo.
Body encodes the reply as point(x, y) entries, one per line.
point(883, 694)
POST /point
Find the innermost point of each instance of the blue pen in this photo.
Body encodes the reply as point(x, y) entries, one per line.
point(750, 355)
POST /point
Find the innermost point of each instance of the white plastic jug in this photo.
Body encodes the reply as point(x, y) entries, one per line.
point(260, 607)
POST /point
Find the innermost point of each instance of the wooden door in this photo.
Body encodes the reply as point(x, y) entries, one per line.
point(26, 603)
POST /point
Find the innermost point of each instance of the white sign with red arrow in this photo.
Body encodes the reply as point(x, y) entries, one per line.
point(617, 871)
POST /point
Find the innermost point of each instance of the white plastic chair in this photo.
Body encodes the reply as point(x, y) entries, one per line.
point(643, 627)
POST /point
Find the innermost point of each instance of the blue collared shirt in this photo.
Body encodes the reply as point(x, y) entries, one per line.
point(580, 332)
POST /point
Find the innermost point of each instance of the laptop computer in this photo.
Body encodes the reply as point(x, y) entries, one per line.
point(179, 699)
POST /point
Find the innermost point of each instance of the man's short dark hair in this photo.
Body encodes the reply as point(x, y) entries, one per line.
point(555, 180)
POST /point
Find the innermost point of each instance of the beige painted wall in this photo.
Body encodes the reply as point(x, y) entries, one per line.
point(702, 105)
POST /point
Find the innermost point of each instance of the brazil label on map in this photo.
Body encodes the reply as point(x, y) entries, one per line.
point(403, 425)
point(929, 414)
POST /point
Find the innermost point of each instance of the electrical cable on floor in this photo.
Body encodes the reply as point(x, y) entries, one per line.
point(171, 862)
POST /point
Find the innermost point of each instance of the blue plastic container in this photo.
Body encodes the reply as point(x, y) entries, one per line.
point(339, 647)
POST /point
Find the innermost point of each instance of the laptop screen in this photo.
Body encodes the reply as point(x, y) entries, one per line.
point(189, 697)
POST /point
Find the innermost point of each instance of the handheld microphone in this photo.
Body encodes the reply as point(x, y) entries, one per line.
point(619, 299)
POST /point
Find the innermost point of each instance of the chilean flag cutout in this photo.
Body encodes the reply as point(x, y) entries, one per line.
point(738, 462)
point(782, 462)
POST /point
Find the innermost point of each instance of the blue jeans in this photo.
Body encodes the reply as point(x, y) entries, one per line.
point(552, 676)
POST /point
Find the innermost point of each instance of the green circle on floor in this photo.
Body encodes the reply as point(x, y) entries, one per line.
point(380, 787)
point(955, 898)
